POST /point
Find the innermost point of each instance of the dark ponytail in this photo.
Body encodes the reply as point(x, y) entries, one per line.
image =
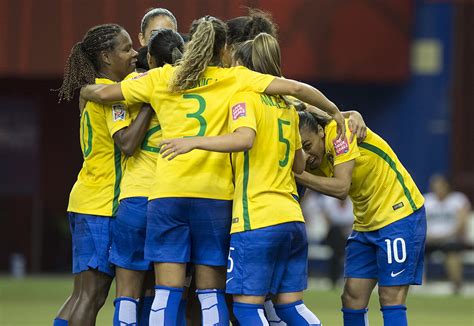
point(166, 46)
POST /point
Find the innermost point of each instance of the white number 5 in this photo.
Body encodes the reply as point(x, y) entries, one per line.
point(231, 261)
point(395, 250)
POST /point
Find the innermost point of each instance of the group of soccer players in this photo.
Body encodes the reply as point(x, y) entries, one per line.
point(160, 192)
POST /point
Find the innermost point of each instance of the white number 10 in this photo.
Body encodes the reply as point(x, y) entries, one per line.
point(395, 250)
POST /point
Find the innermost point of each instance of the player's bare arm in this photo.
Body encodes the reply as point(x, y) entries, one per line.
point(102, 93)
point(337, 186)
point(240, 140)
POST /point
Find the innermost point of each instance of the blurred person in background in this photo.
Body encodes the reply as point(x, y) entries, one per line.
point(339, 217)
point(447, 214)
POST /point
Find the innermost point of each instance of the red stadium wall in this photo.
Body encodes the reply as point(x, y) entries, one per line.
point(335, 40)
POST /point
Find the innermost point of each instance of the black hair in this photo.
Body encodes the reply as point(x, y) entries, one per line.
point(154, 12)
point(83, 63)
point(142, 62)
point(244, 28)
point(166, 46)
point(311, 121)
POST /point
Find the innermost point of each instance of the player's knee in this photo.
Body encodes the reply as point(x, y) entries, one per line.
point(392, 295)
point(94, 296)
point(353, 300)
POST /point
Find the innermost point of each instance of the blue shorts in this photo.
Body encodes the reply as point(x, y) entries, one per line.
point(394, 255)
point(183, 230)
point(128, 241)
point(91, 240)
point(273, 260)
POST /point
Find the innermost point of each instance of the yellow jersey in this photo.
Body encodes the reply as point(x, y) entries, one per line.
point(382, 191)
point(97, 189)
point(140, 168)
point(264, 182)
point(200, 111)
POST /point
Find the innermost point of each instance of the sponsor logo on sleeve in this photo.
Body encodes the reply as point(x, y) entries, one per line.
point(239, 110)
point(340, 146)
point(118, 111)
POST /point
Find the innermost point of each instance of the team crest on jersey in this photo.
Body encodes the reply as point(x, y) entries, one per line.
point(118, 111)
point(239, 110)
point(340, 146)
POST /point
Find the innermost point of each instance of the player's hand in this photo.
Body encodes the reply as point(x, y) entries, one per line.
point(171, 148)
point(341, 125)
point(357, 127)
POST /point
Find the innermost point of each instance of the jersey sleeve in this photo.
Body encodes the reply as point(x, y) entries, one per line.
point(298, 144)
point(140, 88)
point(117, 116)
point(252, 81)
point(242, 112)
point(341, 150)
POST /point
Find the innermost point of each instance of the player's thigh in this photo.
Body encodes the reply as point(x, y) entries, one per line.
point(168, 236)
point(257, 260)
point(400, 250)
point(128, 241)
point(361, 257)
point(210, 221)
point(92, 238)
point(295, 268)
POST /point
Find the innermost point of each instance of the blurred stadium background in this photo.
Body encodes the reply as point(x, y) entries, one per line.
point(406, 65)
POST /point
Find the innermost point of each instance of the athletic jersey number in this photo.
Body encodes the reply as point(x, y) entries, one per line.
point(283, 140)
point(396, 253)
point(86, 122)
point(231, 261)
point(197, 115)
point(145, 144)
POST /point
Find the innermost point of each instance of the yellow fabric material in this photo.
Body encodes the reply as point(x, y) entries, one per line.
point(200, 111)
point(140, 168)
point(265, 189)
point(97, 188)
point(382, 191)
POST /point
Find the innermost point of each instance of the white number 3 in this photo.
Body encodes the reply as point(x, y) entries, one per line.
point(395, 250)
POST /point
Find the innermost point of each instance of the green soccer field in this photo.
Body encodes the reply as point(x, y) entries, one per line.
point(35, 300)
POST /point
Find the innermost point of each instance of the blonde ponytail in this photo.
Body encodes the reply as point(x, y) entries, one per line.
point(196, 58)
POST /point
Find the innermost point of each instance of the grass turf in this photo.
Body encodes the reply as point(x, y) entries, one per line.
point(35, 300)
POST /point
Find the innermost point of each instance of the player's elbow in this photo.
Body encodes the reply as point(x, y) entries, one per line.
point(247, 143)
point(342, 192)
point(298, 167)
point(126, 146)
point(128, 150)
point(245, 138)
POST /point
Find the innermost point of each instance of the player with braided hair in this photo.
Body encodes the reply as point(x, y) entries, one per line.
point(105, 56)
point(189, 213)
